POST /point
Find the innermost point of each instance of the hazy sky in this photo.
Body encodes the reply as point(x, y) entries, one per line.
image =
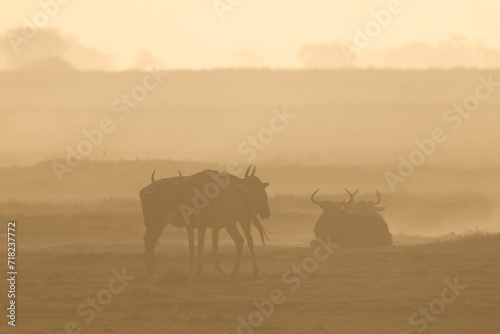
point(190, 34)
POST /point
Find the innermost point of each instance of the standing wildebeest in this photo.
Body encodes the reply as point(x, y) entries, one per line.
point(363, 207)
point(257, 190)
point(150, 213)
point(208, 199)
point(350, 229)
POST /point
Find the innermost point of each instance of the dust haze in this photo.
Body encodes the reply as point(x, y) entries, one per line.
point(365, 133)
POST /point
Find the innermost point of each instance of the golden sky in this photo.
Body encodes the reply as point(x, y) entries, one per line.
point(190, 34)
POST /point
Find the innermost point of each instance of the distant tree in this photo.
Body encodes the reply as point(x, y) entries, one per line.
point(20, 52)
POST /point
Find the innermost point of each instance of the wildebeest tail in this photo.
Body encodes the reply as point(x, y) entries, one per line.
point(262, 230)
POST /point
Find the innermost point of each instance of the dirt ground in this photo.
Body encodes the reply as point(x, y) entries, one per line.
point(351, 291)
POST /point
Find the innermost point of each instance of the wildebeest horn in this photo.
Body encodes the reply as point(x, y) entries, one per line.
point(378, 198)
point(153, 177)
point(314, 200)
point(351, 195)
point(180, 174)
point(248, 171)
point(253, 173)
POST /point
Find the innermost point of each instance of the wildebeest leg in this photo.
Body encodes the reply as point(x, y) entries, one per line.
point(201, 244)
point(238, 240)
point(245, 225)
point(215, 248)
point(190, 232)
point(150, 238)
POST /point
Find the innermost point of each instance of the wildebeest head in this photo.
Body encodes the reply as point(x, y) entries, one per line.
point(363, 207)
point(259, 192)
point(331, 210)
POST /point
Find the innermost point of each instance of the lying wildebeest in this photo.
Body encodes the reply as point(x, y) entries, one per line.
point(208, 199)
point(350, 229)
point(363, 207)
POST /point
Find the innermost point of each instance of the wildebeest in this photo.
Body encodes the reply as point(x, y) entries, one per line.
point(154, 227)
point(363, 207)
point(350, 229)
point(208, 199)
point(256, 189)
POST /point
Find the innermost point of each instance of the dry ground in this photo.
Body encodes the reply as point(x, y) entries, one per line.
point(67, 252)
